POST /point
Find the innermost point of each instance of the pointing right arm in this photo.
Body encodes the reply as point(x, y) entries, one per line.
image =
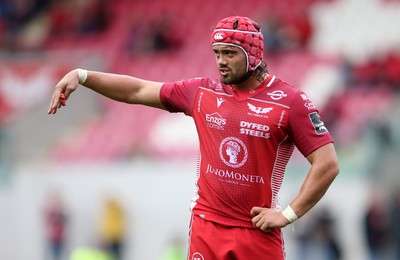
point(121, 88)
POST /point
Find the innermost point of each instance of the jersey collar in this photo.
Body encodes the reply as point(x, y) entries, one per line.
point(246, 94)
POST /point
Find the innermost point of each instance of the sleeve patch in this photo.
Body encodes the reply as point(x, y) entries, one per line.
point(318, 124)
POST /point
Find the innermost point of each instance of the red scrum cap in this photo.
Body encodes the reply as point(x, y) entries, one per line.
point(244, 33)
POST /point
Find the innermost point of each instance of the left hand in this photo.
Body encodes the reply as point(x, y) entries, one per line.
point(267, 218)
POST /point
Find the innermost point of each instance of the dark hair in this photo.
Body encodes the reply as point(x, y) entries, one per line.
point(261, 70)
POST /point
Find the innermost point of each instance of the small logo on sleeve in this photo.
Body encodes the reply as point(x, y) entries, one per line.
point(316, 121)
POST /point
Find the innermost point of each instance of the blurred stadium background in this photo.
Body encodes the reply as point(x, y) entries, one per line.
point(344, 53)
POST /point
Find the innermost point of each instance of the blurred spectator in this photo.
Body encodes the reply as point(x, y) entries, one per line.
point(319, 240)
point(6, 145)
point(369, 73)
point(286, 32)
point(392, 69)
point(299, 29)
point(274, 41)
point(5, 7)
point(73, 19)
point(136, 40)
point(377, 228)
point(30, 23)
point(372, 81)
point(63, 19)
point(15, 17)
point(161, 34)
point(5, 111)
point(394, 223)
point(112, 228)
point(165, 34)
point(56, 226)
point(95, 17)
point(381, 71)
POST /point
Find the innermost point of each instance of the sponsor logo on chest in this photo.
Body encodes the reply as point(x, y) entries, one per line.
point(277, 94)
point(258, 111)
point(215, 121)
point(254, 129)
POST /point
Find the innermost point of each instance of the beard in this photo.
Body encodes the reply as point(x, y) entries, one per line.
point(232, 78)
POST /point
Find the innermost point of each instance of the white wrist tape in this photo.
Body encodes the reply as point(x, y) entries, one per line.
point(82, 74)
point(289, 214)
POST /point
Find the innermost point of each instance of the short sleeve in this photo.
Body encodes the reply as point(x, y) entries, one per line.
point(306, 127)
point(179, 96)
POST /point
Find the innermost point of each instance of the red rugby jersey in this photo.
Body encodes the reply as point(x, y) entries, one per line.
point(246, 139)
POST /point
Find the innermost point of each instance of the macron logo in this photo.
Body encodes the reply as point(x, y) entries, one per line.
point(219, 101)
